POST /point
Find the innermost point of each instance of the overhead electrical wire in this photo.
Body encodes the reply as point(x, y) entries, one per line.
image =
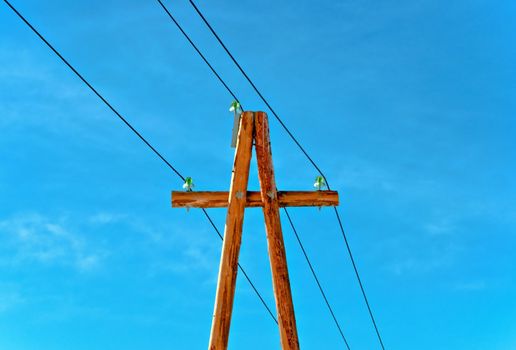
point(258, 91)
point(358, 278)
point(307, 156)
point(183, 178)
point(198, 51)
point(95, 91)
point(169, 14)
point(330, 309)
point(136, 132)
point(241, 268)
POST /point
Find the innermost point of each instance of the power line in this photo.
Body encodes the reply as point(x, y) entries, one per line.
point(330, 309)
point(234, 96)
point(256, 90)
point(242, 269)
point(304, 152)
point(358, 278)
point(95, 91)
point(137, 134)
point(199, 52)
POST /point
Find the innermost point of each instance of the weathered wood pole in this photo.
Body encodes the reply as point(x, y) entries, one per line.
point(277, 254)
point(232, 236)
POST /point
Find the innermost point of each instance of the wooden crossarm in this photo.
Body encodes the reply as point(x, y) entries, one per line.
point(219, 199)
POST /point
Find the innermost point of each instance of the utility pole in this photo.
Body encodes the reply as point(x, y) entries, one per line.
point(253, 126)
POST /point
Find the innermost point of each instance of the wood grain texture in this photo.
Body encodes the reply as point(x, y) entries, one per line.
point(220, 199)
point(277, 254)
point(232, 236)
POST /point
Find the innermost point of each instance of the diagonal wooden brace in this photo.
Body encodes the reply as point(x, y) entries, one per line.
point(277, 254)
point(232, 236)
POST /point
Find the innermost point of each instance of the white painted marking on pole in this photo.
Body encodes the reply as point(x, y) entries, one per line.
point(234, 136)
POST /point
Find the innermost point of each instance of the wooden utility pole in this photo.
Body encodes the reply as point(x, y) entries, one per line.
point(277, 255)
point(253, 127)
point(232, 236)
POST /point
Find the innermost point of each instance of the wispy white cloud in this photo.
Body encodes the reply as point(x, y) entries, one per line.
point(419, 265)
point(368, 177)
point(10, 299)
point(192, 255)
point(104, 218)
point(180, 250)
point(423, 255)
point(88, 246)
point(36, 238)
point(442, 226)
point(470, 286)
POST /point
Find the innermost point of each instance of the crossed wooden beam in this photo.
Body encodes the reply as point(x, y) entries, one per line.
point(253, 126)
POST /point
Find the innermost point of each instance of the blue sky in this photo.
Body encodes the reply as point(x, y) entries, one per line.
point(408, 106)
